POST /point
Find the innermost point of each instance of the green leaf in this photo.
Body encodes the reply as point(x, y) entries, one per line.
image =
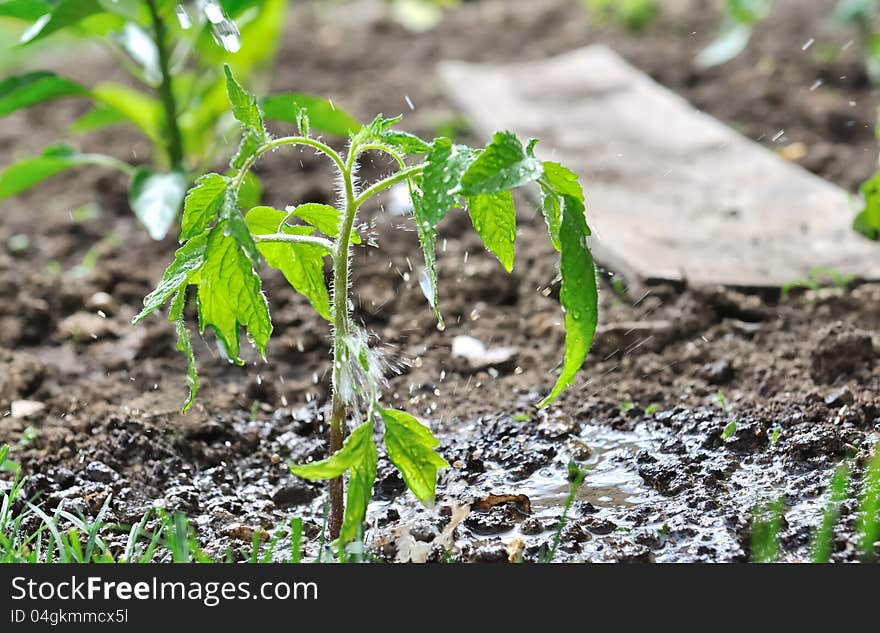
point(443, 171)
point(188, 260)
point(372, 131)
point(22, 91)
point(323, 217)
point(494, 219)
point(405, 142)
point(25, 174)
point(24, 9)
point(202, 205)
point(557, 181)
point(156, 199)
point(251, 191)
point(63, 14)
point(579, 293)
point(410, 447)
point(563, 180)
point(249, 145)
point(136, 106)
point(184, 344)
point(301, 264)
point(868, 221)
point(244, 105)
point(503, 165)
point(732, 40)
point(230, 295)
point(134, 10)
point(427, 238)
point(323, 114)
point(97, 118)
point(359, 457)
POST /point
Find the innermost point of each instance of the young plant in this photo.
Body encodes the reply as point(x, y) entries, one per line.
point(222, 250)
point(180, 106)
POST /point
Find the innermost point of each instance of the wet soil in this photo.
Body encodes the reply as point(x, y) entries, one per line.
point(644, 419)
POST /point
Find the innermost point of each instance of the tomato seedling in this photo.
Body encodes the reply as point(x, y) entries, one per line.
point(174, 53)
point(222, 250)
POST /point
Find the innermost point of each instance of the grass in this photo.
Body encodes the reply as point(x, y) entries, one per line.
point(767, 517)
point(577, 476)
point(65, 537)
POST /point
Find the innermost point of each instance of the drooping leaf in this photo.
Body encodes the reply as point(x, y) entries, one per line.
point(323, 217)
point(578, 295)
point(427, 238)
point(61, 15)
point(97, 118)
point(188, 260)
point(563, 180)
point(558, 181)
point(301, 264)
point(156, 199)
point(410, 446)
point(202, 205)
point(503, 165)
point(494, 219)
point(22, 91)
point(184, 344)
point(25, 174)
point(136, 106)
point(323, 115)
point(230, 295)
point(867, 222)
point(444, 166)
point(359, 457)
point(404, 142)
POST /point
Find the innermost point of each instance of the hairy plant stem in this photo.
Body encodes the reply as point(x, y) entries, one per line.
point(339, 298)
point(339, 408)
point(166, 92)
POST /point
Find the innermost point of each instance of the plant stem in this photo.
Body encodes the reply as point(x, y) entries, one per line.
point(166, 91)
point(338, 416)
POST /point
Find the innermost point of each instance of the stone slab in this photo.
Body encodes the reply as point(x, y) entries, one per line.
point(673, 194)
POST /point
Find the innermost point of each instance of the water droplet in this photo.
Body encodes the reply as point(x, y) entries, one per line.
point(183, 17)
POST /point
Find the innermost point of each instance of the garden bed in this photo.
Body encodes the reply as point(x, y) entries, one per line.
point(644, 418)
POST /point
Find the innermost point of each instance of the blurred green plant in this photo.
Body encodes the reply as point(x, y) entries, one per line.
point(420, 15)
point(174, 53)
point(741, 16)
point(635, 15)
point(739, 19)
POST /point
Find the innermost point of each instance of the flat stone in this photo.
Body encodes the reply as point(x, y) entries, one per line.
point(672, 194)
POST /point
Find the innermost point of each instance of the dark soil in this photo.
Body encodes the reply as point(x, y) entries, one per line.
point(645, 416)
